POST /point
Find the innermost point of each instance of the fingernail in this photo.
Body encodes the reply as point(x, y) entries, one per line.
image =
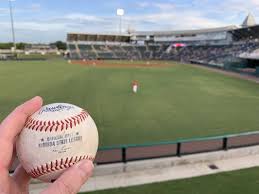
point(36, 98)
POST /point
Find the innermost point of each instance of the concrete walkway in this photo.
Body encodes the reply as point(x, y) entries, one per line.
point(158, 170)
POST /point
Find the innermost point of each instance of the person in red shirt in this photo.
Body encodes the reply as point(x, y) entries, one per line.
point(135, 86)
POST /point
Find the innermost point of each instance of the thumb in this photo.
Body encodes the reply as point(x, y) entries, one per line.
point(72, 179)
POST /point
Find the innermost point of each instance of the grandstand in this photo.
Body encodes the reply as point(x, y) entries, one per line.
point(219, 47)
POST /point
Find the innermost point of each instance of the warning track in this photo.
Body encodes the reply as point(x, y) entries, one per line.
point(130, 64)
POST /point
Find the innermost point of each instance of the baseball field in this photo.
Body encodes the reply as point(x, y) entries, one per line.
point(174, 101)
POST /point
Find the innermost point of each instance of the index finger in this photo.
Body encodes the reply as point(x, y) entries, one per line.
point(12, 126)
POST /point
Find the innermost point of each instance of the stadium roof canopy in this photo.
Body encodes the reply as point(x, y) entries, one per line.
point(97, 37)
point(249, 21)
point(185, 32)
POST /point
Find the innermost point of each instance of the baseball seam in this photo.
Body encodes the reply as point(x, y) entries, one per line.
point(37, 125)
point(57, 165)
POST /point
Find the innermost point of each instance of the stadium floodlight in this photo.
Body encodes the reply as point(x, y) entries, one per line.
point(120, 13)
point(12, 23)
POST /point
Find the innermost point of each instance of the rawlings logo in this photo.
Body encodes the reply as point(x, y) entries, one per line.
point(57, 108)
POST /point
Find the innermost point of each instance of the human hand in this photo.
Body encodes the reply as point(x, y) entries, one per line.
point(68, 183)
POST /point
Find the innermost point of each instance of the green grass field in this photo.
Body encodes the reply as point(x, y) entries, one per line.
point(174, 102)
point(238, 182)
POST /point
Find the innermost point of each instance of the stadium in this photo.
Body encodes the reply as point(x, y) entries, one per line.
point(191, 126)
point(230, 47)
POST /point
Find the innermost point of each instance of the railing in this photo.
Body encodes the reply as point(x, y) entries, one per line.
point(126, 153)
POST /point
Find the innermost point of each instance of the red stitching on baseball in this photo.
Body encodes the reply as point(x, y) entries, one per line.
point(56, 165)
point(38, 125)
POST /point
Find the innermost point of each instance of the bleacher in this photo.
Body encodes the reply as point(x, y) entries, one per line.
point(71, 47)
point(204, 46)
point(215, 54)
point(84, 47)
point(109, 52)
point(105, 55)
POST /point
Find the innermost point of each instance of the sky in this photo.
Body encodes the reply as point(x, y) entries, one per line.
point(43, 21)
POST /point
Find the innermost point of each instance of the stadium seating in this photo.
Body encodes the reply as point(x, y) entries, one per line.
point(212, 54)
point(84, 47)
point(71, 47)
point(106, 55)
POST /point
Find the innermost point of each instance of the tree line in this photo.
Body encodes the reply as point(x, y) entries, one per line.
point(22, 45)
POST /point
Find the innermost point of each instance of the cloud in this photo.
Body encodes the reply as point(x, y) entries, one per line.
point(156, 16)
point(143, 4)
point(3, 10)
point(173, 21)
point(82, 17)
point(35, 7)
point(160, 6)
point(235, 6)
point(164, 6)
point(22, 10)
point(37, 26)
point(51, 28)
point(255, 2)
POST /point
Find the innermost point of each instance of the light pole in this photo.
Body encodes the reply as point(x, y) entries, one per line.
point(12, 23)
point(120, 13)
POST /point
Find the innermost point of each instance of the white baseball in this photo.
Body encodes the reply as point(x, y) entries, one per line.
point(54, 138)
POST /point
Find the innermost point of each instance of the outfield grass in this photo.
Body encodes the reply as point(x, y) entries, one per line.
point(238, 182)
point(174, 102)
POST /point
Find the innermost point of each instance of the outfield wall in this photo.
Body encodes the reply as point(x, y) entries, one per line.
point(226, 153)
point(176, 149)
point(164, 169)
point(127, 153)
point(169, 162)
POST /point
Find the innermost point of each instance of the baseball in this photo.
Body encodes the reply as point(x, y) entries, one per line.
point(54, 138)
